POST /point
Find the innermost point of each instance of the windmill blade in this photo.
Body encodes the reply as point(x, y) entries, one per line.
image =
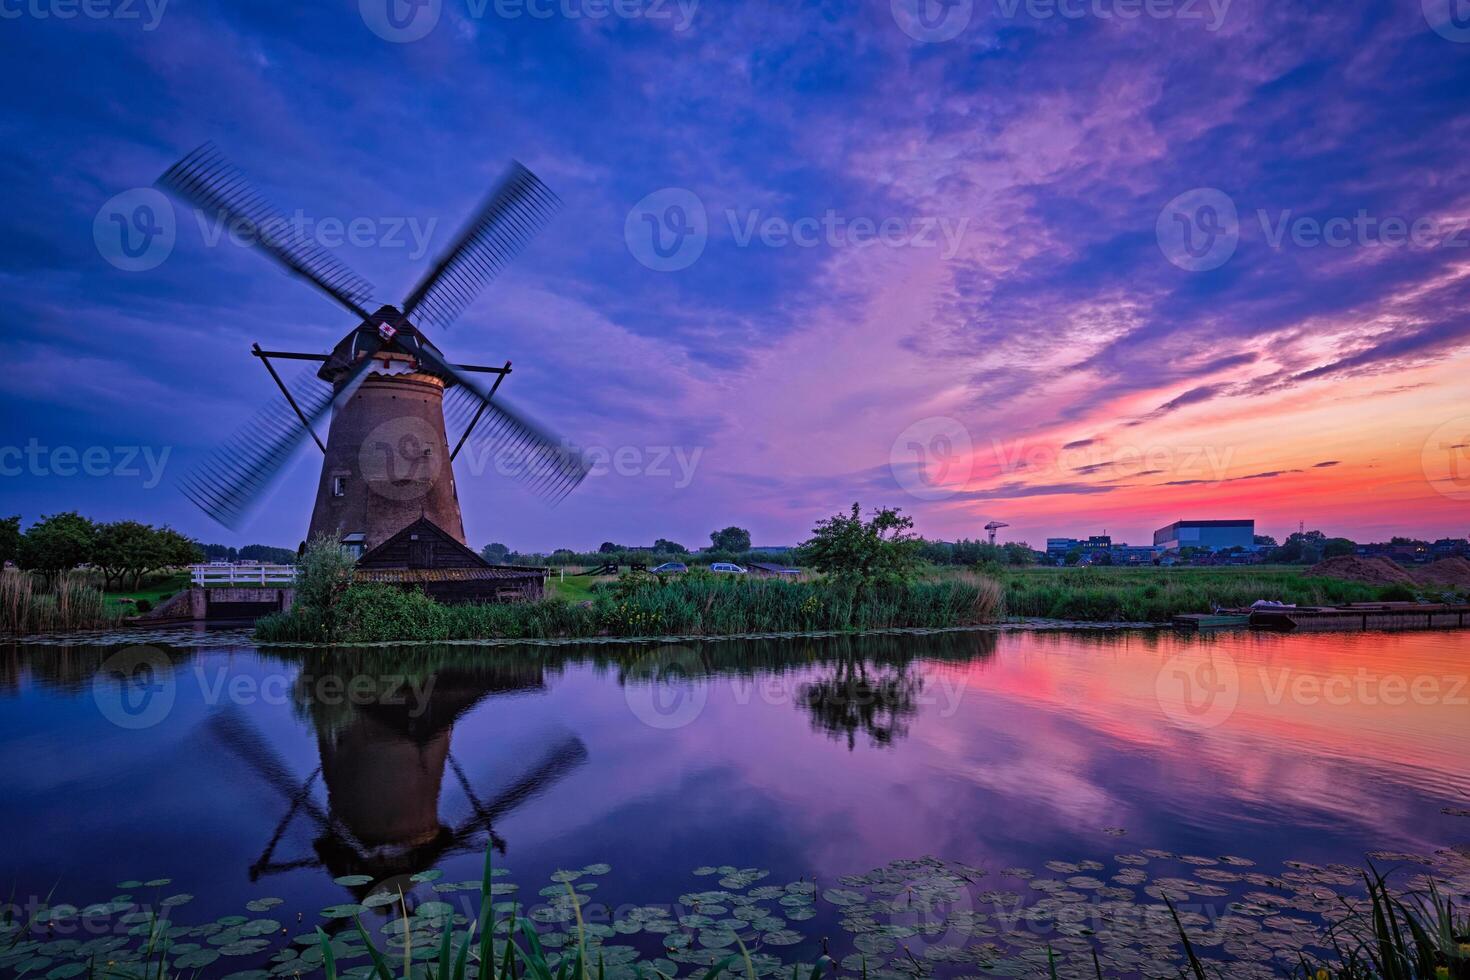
point(550, 467)
point(554, 765)
point(208, 181)
point(235, 476)
point(515, 210)
point(235, 732)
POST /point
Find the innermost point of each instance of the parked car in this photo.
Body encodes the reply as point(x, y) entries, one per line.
point(670, 567)
point(726, 568)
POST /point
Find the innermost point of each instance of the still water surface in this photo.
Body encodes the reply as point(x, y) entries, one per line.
point(242, 773)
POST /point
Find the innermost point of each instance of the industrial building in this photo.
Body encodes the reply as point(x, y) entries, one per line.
point(1206, 535)
point(1099, 548)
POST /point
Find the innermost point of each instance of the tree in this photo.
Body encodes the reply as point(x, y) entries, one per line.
point(610, 548)
point(666, 547)
point(1337, 547)
point(495, 553)
point(129, 551)
point(1019, 553)
point(877, 550)
point(322, 575)
point(9, 539)
point(121, 549)
point(268, 554)
point(1266, 541)
point(57, 543)
point(173, 550)
point(1304, 548)
point(1073, 556)
point(732, 539)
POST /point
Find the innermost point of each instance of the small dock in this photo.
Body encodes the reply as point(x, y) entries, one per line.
point(1364, 616)
point(1225, 619)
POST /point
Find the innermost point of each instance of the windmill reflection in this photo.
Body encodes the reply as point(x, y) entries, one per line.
point(383, 762)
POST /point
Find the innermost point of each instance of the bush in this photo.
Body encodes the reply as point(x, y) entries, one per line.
point(1397, 592)
point(143, 605)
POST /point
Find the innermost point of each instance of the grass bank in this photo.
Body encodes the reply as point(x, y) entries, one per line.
point(1155, 595)
point(689, 605)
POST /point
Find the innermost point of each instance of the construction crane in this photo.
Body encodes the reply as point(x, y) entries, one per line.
point(994, 526)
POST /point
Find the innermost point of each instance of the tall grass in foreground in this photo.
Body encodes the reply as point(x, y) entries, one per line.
point(1390, 939)
point(522, 956)
point(692, 605)
point(70, 604)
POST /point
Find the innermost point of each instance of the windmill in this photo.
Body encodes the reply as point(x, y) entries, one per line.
point(386, 386)
point(994, 526)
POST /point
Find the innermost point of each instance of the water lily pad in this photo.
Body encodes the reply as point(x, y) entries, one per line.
point(195, 959)
point(597, 869)
point(843, 896)
point(782, 937)
point(433, 874)
point(343, 911)
point(353, 881)
point(263, 904)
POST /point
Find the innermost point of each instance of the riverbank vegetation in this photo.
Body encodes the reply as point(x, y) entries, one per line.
point(641, 605)
point(30, 605)
point(868, 582)
point(1155, 595)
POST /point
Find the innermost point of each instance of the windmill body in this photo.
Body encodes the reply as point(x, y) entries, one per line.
point(383, 391)
point(387, 460)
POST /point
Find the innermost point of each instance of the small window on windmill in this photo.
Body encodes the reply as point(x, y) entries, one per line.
point(354, 543)
point(339, 486)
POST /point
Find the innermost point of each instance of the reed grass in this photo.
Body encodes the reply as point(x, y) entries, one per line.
point(1156, 595)
point(522, 957)
point(690, 605)
point(70, 604)
point(1421, 937)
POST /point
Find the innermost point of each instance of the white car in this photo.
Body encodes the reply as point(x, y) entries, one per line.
point(726, 568)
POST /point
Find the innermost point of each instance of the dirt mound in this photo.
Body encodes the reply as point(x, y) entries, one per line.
point(1372, 571)
point(1446, 571)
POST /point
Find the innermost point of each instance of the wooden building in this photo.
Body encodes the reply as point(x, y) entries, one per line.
point(423, 555)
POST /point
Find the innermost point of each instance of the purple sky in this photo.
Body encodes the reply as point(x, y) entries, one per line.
point(1060, 324)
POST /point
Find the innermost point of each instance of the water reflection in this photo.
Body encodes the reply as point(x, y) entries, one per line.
point(811, 757)
point(383, 752)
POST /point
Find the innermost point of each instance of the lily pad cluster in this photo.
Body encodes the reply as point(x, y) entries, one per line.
point(908, 920)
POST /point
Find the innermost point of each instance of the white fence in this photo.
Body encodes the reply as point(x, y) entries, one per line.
point(243, 574)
